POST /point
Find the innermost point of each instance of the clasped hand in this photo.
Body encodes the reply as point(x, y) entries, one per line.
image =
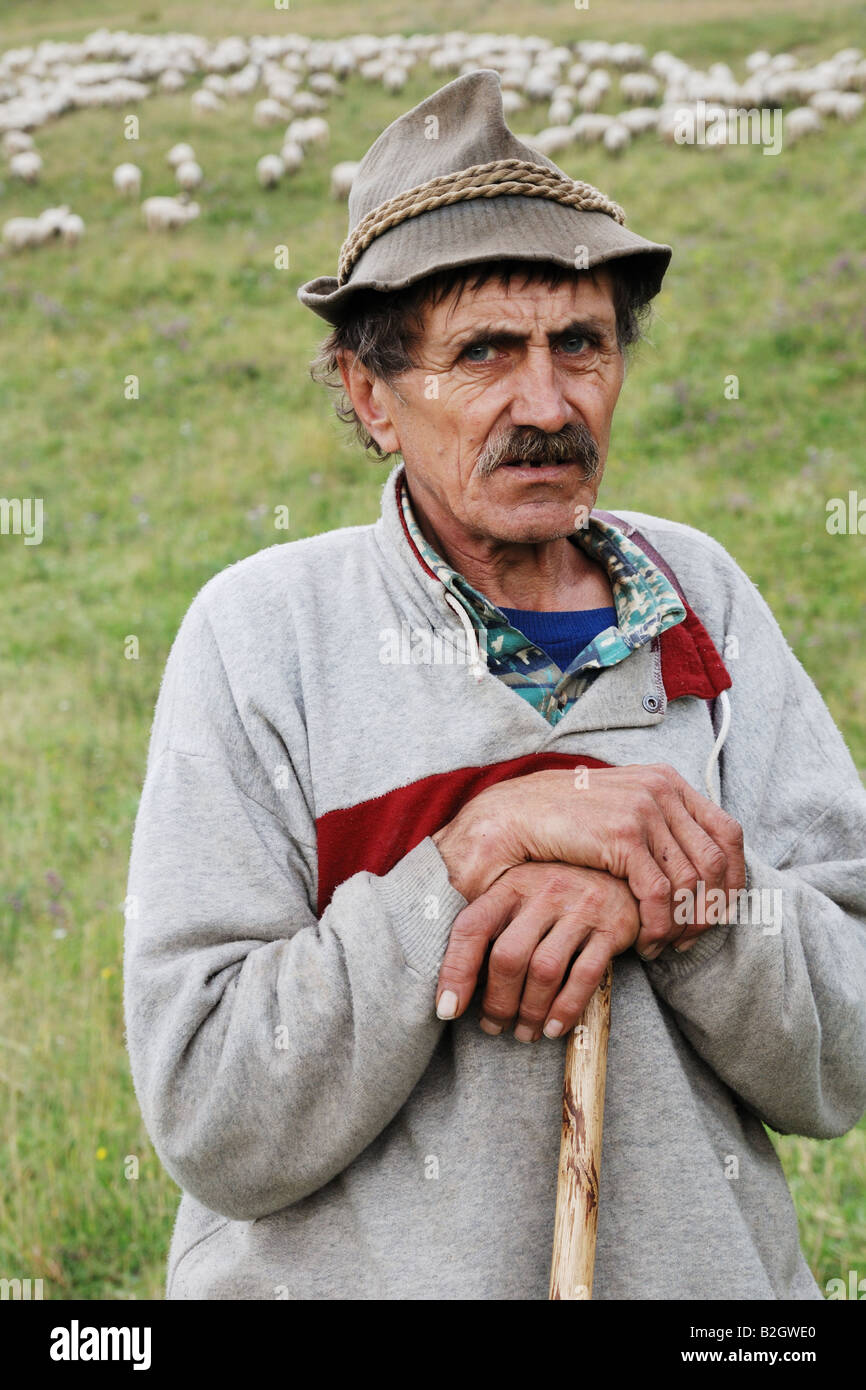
point(559, 880)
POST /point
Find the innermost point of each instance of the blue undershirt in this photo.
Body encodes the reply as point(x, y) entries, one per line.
point(562, 636)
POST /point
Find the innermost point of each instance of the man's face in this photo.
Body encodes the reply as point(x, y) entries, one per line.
point(499, 367)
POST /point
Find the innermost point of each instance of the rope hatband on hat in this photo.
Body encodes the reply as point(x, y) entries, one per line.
point(501, 176)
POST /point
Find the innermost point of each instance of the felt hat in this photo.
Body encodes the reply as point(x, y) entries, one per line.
point(448, 184)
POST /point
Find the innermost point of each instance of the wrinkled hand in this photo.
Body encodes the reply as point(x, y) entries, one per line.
point(538, 916)
point(642, 823)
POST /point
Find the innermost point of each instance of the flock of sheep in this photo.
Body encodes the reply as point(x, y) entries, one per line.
point(300, 77)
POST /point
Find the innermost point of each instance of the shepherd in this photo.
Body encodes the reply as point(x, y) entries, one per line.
point(372, 900)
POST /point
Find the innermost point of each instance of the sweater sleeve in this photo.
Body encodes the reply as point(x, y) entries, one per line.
point(268, 1048)
point(775, 1000)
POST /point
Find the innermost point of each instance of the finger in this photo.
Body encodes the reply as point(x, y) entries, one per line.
point(471, 933)
point(547, 971)
point(656, 870)
point(692, 860)
point(583, 980)
point(708, 857)
point(509, 960)
point(653, 891)
point(723, 829)
point(701, 904)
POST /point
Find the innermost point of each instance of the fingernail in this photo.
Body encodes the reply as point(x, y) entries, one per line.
point(553, 1028)
point(490, 1027)
point(523, 1032)
point(447, 1006)
point(652, 952)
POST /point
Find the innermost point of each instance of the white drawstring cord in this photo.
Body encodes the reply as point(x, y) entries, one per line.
point(475, 665)
point(717, 747)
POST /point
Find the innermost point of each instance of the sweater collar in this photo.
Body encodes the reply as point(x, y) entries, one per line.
point(690, 662)
point(646, 603)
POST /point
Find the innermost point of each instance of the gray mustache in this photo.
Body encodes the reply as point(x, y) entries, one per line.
point(530, 445)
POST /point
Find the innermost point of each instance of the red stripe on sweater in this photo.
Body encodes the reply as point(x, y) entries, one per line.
point(376, 834)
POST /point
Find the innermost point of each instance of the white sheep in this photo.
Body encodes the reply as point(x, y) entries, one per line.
point(590, 127)
point(512, 102)
point(171, 80)
point(165, 214)
point(590, 97)
point(317, 131)
point(801, 121)
point(188, 175)
point(512, 79)
point(127, 179)
point(342, 177)
point(638, 120)
point(16, 142)
point(638, 87)
point(552, 139)
point(627, 55)
point(676, 123)
point(756, 61)
point(394, 79)
point(281, 88)
point(343, 62)
point(540, 84)
point(616, 138)
point(26, 165)
point(203, 100)
point(598, 77)
point(849, 105)
point(560, 111)
point(296, 132)
point(268, 112)
point(292, 155)
point(242, 83)
point(372, 70)
point(269, 170)
point(856, 80)
point(324, 84)
point(22, 232)
point(178, 154)
point(824, 102)
point(305, 103)
point(594, 50)
point(72, 229)
point(52, 220)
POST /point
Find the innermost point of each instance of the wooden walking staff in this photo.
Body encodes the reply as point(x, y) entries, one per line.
point(576, 1218)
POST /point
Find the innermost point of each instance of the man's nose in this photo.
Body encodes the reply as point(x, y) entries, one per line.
point(537, 394)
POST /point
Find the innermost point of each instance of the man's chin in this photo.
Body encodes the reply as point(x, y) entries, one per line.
point(531, 516)
point(549, 524)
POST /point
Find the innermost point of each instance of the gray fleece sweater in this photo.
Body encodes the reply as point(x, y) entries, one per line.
point(288, 912)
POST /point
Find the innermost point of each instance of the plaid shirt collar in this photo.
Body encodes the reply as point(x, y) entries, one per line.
point(646, 606)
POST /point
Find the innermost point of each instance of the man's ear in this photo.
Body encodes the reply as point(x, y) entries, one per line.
point(372, 401)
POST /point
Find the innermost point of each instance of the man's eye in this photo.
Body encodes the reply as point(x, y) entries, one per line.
point(477, 352)
point(574, 343)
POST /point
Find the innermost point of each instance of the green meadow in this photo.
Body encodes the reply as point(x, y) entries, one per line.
point(145, 499)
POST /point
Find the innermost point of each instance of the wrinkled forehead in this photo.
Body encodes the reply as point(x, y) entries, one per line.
point(523, 305)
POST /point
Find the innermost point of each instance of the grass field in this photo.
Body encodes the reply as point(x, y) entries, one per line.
point(146, 499)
